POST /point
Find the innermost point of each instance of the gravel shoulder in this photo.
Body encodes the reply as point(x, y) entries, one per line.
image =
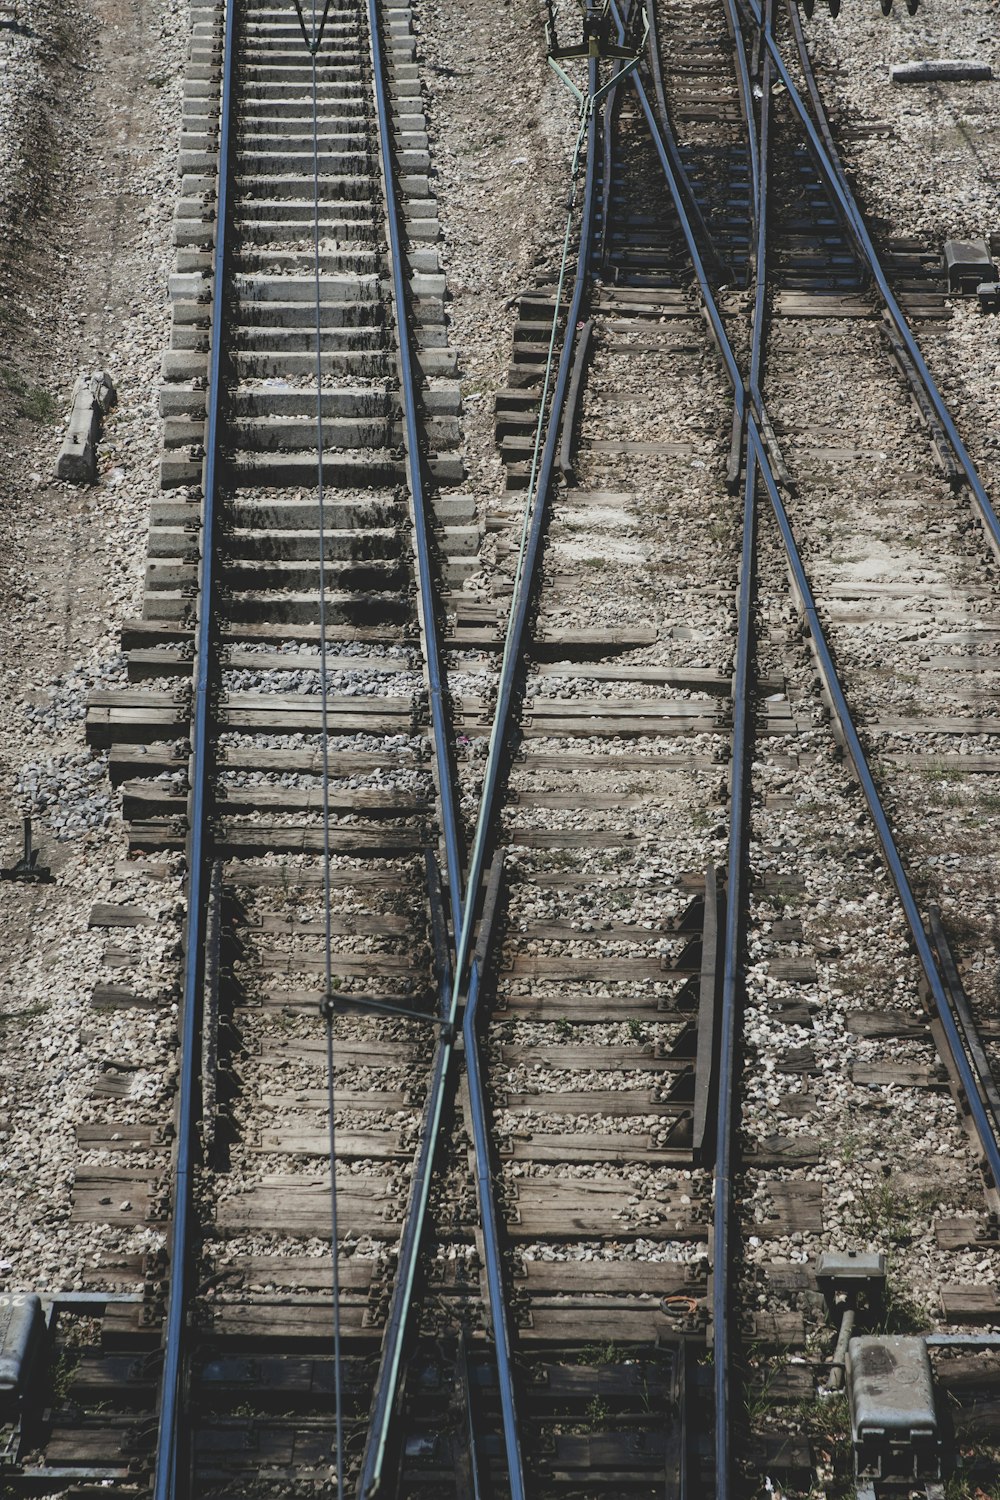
point(923, 161)
point(90, 110)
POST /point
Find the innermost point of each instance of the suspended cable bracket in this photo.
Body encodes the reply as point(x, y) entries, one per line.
point(599, 42)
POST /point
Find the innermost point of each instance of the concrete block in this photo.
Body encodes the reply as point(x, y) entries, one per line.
point(942, 70)
point(188, 286)
point(183, 364)
point(93, 398)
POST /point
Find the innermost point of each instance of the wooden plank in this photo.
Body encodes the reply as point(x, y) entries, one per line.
point(610, 760)
point(142, 797)
point(105, 1137)
point(641, 1056)
point(780, 1330)
point(351, 924)
point(614, 1103)
point(781, 1150)
point(292, 839)
point(120, 997)
point(299, 1000)
point(585, 1009)
point(792, 970)
point(259, 1322)
point(919, 724)
point(618, 1147)
point(624, 708)
point(302, 1099)
point(797, 1060)
point(576, 1277)
point(560, 929)
point(607, 1454)
point(693, 679)
point(886, 1023)
point(349, 1052)
point(796, 1206)
point(298, 1209)
point(576, 838)
point(601, 968)
point(308, 1272)
point(964, 765)
point(373, 966)
point(104, 1447)
point(970, 1304)
point(645, 449)
point(352, 1145)
point(568, 726)
point(110, 1195)
point(785, 1276)
point(789, 304)
point(623, 1325)
point(292, 878)
point(594, 801)
point(593, 1206)
point(107, 914)
point(963, 1234)
point(899, 1075)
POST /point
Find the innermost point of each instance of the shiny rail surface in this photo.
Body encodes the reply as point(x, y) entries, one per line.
point(168, 1480)
point(169, 1435)
point(750, 407)
point(472, 902)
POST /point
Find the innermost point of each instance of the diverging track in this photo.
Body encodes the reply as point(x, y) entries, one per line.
point(665, 942)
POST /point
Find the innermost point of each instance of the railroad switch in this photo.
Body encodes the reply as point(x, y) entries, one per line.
point(853, 1283)
point(894, 1425)
point(969, 266)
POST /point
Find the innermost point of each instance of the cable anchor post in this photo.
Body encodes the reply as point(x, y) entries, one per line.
point(27, 869)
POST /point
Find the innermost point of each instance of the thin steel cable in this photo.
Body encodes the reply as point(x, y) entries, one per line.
point(313, 45)
point(315, 41)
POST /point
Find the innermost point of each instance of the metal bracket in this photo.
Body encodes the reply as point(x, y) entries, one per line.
point(338, 1005)
point(596, 44)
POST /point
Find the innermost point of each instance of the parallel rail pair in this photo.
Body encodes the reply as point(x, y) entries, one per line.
point(965, 1046)
point(169, 1480)
point(468, 965)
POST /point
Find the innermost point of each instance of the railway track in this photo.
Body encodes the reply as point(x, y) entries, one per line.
point(584, 1053)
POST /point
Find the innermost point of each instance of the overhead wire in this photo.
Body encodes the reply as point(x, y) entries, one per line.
point(313, 40)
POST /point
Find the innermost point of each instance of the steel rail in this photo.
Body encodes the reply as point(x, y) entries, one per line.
point(166, 1485)
point(948, 1011)
point(989, 1142)
point(722, 267)
point(377, 1445)
point(414, 473)
point(852, 215)
point(738, 853)
point(489, 1218)
point(739, 790)
point(497, 763)
point(165, 1480)
point(739, 805)
point(497, 760)
point(746, 102)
